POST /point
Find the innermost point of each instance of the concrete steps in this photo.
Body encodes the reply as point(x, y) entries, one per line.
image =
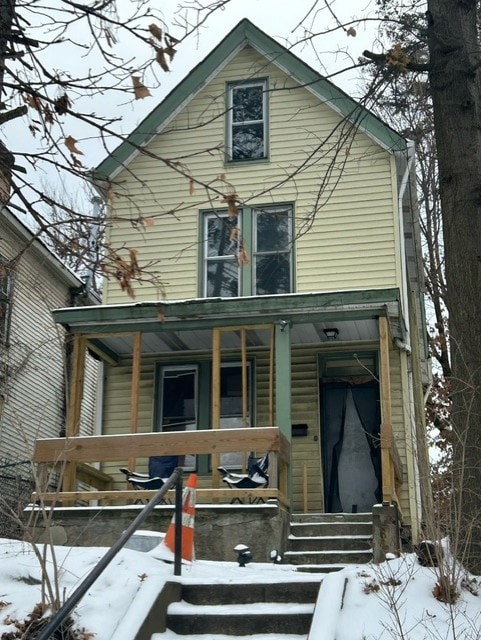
point(329, 541)
point(284, 609)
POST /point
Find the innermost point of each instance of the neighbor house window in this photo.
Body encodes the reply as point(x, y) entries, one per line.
point(248, 254)
point(6, 289)
point(247, 120)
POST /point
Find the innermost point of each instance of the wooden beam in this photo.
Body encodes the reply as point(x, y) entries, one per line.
point(75, 395)
point(216, 367)
point(203, 496)
point(134, 390)
point(142, 445)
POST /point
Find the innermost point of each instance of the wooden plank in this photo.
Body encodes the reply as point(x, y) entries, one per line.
point(94, 477)
point(203, 496)
point(142, 445)
point(386, 412)
point(134, 391)
point(77, 376)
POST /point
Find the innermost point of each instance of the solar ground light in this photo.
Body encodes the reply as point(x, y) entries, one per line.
point(244, 554)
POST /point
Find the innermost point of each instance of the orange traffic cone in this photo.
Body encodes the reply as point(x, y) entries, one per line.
point(188, 514)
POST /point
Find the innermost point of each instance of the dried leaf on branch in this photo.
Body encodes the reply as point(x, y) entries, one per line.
point(156, 31)
point(62, 104)
point(140, 90)
point(231, 200)
point(70, 143)
point(160, 57)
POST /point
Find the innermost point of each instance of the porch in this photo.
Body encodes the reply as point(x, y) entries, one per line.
point(129, 335)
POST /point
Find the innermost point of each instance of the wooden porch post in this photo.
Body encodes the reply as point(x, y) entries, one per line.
point(134, 389)
point(216, 364)
point(283, 387)
point(388, 492)
point(72, 429)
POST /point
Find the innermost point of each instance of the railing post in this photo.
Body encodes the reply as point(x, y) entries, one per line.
point(178, 527)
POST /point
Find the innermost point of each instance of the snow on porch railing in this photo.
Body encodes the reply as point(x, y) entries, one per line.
point(81, 450)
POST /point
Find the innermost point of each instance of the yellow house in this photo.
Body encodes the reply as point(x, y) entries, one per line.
point(280, 215)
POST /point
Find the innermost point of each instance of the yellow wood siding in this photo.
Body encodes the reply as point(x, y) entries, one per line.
point(345, 241)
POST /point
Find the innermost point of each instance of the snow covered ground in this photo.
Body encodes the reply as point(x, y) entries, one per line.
point(394, 600)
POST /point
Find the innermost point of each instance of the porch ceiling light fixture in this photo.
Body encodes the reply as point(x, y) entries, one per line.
point(331, 334)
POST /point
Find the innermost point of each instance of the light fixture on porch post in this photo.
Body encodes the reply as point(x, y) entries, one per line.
point(332, 333)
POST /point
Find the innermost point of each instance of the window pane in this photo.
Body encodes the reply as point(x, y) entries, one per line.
point(273, 274)
point(222, 236)
point(247, 103)
point(272, 231)
point(222, 279)
point(248, 141)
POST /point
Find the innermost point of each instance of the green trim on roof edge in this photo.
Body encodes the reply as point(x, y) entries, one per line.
point(221, 310)
point(247, 33)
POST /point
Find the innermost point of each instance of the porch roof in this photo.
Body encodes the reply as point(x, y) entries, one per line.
point(185, 325)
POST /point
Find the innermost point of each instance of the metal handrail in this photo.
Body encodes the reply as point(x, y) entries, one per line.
point(175, 479)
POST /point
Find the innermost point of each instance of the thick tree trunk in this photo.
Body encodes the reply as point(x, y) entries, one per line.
point(456, 93)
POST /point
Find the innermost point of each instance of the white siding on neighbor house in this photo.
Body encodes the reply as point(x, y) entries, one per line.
point(346, 230)
point(33, 364)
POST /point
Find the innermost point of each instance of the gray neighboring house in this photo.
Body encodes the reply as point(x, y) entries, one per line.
point(33, 349)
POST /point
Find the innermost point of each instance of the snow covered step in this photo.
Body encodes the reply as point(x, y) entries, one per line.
point(239, 620)
point(235, 609)
point(170, 635)
point(341, 557)
point(295, 591)
point(329, 543)
point(335, 527)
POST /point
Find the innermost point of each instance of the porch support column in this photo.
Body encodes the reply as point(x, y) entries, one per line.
point(283, 388)
point(134, 389)
point(75, 393)
point(388, 491)
point(216, 366)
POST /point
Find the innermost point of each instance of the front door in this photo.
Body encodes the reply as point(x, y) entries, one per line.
point(350, 426)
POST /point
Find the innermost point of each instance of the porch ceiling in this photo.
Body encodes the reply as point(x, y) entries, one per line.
point(180, 326)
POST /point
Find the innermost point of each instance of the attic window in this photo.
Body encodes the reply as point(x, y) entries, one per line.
point(247, 120)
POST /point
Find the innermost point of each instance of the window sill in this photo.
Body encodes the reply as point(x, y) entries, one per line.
point(236, 163)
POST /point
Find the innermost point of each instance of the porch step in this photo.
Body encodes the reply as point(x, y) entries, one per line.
point(328, 542)
point(284, 609)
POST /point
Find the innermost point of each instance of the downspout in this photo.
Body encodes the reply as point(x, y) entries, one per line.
point(405, 345)
point(92, 241)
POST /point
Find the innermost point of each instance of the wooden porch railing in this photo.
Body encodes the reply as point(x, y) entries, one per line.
point(75, 453)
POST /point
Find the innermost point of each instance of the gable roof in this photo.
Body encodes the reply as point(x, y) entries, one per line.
point(246, 33)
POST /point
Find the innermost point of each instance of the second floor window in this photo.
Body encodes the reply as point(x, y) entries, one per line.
point(247, 121)
point(247, 254)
